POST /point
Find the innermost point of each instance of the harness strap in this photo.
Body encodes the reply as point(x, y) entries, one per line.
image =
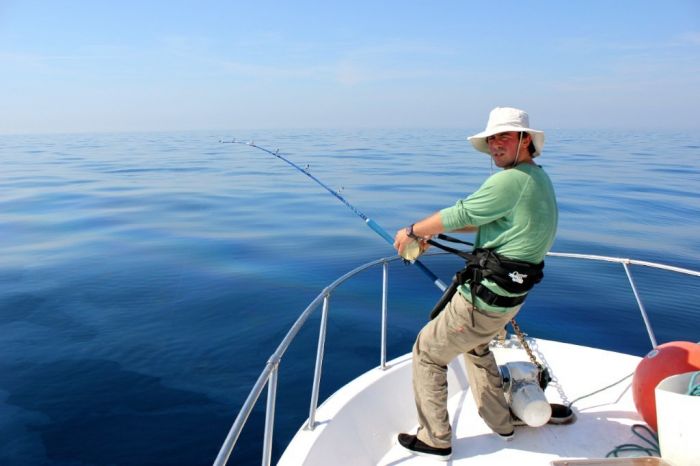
point(463, 254)
point(452, 239)
point(493, 299)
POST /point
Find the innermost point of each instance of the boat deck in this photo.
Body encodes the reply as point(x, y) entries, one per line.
point(350, 431)
point(603, 421)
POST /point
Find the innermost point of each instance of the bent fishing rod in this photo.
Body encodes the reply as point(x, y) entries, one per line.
point(368, 221)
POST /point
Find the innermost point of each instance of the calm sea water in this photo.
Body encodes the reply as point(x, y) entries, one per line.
point(146, 278)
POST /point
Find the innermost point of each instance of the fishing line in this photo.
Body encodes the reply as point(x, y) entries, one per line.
point(368, 221)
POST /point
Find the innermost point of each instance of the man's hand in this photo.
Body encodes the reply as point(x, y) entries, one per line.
point(410, 248)
point(422, 232)
point(401, 240)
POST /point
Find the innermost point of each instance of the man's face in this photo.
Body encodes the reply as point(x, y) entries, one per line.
point(504, 147)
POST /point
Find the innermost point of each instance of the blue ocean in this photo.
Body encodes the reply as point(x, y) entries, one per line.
point(146, 278)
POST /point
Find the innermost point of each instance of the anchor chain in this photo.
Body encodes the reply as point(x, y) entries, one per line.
point(521, 338)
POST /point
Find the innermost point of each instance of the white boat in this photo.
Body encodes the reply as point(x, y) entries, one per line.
point(357, 425)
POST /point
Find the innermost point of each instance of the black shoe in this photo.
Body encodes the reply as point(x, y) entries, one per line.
point(415, 446)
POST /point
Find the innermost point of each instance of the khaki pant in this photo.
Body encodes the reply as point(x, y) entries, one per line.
point(441, 340)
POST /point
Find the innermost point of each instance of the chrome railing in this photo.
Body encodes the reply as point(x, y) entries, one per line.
point(269, 374)
point(625, 264)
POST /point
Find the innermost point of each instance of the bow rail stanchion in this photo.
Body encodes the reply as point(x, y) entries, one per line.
point(368, 221)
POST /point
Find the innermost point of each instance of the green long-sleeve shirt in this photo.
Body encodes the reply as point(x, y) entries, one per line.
point(516, 212)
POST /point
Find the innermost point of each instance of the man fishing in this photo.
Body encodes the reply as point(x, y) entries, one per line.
point(514, 214)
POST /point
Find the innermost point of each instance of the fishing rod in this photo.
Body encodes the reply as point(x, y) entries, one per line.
point(370, 223)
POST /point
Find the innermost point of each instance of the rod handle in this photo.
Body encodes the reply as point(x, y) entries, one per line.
point(382, 232)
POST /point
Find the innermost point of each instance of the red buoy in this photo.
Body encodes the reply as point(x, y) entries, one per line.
point(676, 357)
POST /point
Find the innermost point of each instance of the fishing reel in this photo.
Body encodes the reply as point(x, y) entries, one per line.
point(524, 392)
point(411, 251)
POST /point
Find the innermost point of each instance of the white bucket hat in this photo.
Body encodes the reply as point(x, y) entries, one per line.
point(503, 119)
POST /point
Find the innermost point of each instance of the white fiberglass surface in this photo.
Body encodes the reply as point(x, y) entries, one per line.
point(359, 423)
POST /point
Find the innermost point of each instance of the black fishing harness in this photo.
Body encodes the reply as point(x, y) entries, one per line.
point(512, 275)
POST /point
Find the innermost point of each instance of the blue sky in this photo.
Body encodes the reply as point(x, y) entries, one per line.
point(82, 66)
